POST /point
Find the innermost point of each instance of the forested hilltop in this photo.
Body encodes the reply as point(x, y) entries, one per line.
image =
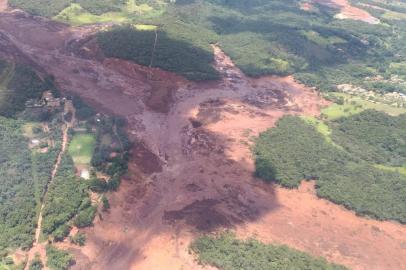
point(262, 37)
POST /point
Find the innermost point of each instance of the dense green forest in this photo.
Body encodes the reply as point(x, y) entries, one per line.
point(25, 174)
point(373, 136)
point(168, 53)
point(58, 259)
point(295, 150)
point(66, 197)
point(228, 253)
point(17, 200)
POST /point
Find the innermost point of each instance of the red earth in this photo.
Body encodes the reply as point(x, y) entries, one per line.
point(193, 171)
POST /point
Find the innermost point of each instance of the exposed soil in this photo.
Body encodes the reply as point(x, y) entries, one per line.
point(191, 169)
point(347, 11)
point(3, 5)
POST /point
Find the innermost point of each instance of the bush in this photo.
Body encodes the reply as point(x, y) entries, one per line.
point(36, 263)
point(61, 233)
point(106, 204)
point(85, 217)
point(79, 239)
point(58, 259)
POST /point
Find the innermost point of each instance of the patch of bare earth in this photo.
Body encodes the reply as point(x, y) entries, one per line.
point(192, 170)
point(3, 5)
point(347, 11)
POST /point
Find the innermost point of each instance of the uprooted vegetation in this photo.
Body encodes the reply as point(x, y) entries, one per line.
point(228, 253)
point(346, 175)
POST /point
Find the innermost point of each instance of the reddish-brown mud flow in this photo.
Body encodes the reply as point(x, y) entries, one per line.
point(193, 171)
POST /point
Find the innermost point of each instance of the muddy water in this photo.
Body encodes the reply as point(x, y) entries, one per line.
point(198, 178)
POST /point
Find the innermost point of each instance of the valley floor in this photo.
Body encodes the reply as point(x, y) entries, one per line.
point(192, 173)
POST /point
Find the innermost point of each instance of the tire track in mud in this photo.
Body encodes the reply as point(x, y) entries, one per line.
point(205, 182)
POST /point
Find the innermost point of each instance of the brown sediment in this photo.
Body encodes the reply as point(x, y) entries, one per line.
point(191, 169)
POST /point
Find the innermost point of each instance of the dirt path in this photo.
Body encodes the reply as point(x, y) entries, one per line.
point(193, 173)
point(38, 247)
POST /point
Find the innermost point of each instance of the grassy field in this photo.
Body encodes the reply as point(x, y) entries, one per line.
point(353, 105)
point(81, 148)
point(76, 15)
point(401, 170)
point(322, 128)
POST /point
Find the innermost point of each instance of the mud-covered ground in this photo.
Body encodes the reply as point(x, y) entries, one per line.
point(191, 170)
point(346, 10)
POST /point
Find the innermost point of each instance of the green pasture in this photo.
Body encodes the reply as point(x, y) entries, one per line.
point(81, 148)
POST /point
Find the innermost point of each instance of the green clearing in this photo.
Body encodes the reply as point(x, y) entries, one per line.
point(145, 27)
point(225, 252)
point(353, 105)
point(401, 170)
point(75, 14)
point(320, 126)
point(29, 129)
point(81, 148)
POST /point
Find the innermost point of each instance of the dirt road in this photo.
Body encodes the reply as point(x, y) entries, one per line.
point(193, 171)
point(38, 247)
point(348, 11)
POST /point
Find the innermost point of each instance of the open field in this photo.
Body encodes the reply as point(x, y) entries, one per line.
point(401, 170)
point(353, 105)
point(77, 15)
point(81, 148)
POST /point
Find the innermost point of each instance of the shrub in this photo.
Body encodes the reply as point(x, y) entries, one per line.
point(58, 259)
